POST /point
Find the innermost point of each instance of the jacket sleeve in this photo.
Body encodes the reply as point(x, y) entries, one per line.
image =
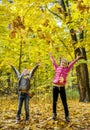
point(72, 64)
point(33, 71)
point(16, 71)
point(54, 62)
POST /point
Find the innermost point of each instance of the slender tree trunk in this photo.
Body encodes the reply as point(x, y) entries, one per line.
point(20, 56)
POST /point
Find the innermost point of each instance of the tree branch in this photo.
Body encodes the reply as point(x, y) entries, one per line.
point(66, 48)
point(54, 13)
point(64, 7)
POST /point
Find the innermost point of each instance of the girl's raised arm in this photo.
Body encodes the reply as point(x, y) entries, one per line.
point(73, 62)
point(53, 61)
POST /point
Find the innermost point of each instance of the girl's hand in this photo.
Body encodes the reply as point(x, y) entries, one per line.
point(50, 53)
point(79, 57)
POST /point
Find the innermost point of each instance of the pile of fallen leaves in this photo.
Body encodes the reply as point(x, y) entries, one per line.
point(41, 113)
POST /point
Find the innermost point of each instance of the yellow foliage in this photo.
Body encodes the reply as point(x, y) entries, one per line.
point(41, 27)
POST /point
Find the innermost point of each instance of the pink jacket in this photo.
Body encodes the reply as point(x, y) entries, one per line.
point(61, 71)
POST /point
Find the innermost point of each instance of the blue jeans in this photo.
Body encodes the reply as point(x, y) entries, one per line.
point(23, 97)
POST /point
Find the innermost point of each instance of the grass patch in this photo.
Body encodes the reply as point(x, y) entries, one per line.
point(72, 93)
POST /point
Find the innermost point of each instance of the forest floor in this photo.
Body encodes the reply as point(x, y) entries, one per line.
point(41, 113)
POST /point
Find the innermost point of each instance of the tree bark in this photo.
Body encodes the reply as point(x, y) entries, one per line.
point(20, 57)
point(82, 69)
point(83, 77)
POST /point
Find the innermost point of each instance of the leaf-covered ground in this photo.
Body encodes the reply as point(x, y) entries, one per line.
point(40, 115)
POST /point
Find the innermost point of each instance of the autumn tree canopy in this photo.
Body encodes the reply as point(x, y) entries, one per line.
point(29, 30)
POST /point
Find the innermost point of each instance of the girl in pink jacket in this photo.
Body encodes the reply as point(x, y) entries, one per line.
point(59, 83)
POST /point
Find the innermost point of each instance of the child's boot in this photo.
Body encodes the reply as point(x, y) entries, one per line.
point(67, 119)
point(18, 120)
point(54, 116)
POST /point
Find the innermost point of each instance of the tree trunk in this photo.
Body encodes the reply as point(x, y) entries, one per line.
point(82, 70)
point(83, 77)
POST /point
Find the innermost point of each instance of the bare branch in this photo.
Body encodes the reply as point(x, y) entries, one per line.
point(54, 13)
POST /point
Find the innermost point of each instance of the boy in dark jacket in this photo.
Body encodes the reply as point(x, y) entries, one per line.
point(24, 86)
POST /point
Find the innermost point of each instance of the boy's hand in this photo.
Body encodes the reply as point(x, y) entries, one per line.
point(39, 63)
point(10, 65)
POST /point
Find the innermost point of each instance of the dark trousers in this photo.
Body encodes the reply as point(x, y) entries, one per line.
point(23, 98)
point(56, 92)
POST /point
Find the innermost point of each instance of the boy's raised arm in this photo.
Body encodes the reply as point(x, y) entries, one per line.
point(16, 71)
point(33, 70)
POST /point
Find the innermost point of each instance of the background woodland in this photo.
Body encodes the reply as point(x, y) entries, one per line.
point(29, 31)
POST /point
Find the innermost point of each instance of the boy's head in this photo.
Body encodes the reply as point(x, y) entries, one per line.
point(63, 62)
point(25, 72)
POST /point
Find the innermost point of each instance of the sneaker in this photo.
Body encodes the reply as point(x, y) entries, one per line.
point(18, 120)
point(67, 119)
point(54, 116)
point(27, 121)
